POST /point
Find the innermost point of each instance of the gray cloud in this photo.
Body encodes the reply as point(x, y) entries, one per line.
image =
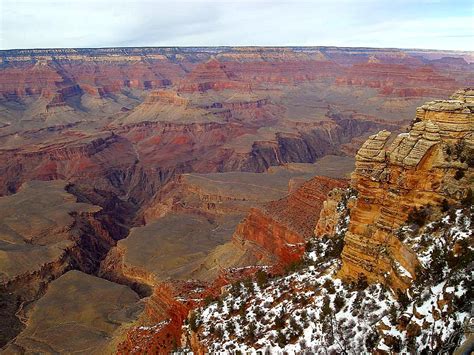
point(98, 23)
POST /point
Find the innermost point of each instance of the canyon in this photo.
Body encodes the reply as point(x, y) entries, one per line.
point(141, 181)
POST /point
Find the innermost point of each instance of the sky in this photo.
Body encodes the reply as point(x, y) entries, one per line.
point(430, 24)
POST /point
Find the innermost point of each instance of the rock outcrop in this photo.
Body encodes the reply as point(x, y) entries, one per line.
point(394, 179)
point(331, 213)
point(281, 228)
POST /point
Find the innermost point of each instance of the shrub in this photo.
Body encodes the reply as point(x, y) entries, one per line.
point(294, 266)
point(449, 150)
point(193, 322)
point(262, 278)
point(230, 327)
point(338, 303)
point(459, 148)
point(251, 331)
point(336, 246)
point(468, 200)
point(396, 344)
point(219, 332)
point(242, 310)
point(281, 339)
point(459, 174)
point(393, 314)
point(420, 275)
point(259, 313)
point(445, 205)
point(403, 299)
point(418, 216)
point(470, 159)
point(438, 260)
point(371, 340)
point(208, 300)
point(362, 283)
point(326, 308)
point(235, 289)
point(297, 329)
point(280, 320)
point(329, 286)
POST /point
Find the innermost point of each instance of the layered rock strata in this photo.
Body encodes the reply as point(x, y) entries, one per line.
point(282, 227)
point(430, 163)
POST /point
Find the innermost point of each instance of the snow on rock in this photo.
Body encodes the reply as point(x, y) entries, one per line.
point(310, 310)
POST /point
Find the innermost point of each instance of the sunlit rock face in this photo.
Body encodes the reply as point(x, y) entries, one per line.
point(430, 163)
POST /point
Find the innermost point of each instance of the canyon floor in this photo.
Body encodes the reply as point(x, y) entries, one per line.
point(135, 183)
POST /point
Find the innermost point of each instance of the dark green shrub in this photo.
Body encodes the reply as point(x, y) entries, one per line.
point(445, 205)
point(418, 216)
point(403, 299)
point(362, 283)
point(230, 327)
point(208, 300)
point(262, 278)
point(371, 340)
point(193, 321)
point(294, 266)
point(338, 303)
point(219, 332)
point(459, 174)
point(468, 200)
point(280, 320)
point(251, 329)
point(329, 286)
point(281, 339)
point(326, 310)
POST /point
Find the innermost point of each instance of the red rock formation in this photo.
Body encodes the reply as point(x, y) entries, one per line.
point(282, 227)
point(212, 75)
point(399, 80)
point(419, 168)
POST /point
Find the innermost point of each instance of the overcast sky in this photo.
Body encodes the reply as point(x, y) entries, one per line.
point(435, 24)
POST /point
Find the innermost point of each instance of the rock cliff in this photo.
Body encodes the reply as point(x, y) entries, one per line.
point(406, 179)
point(281, 228)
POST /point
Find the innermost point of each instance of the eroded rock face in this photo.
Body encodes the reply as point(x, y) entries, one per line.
point(280, 228)
point(423, 167)
point(331, 213)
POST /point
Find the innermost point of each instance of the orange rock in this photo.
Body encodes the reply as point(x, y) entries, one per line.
point(392, 178)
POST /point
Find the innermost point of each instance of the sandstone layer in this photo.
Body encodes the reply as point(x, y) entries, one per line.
point(430, 163)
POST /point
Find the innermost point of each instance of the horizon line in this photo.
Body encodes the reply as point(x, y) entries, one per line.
point(237, 46)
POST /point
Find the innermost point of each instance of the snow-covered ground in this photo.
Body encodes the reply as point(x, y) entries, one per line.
point(312, 311)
